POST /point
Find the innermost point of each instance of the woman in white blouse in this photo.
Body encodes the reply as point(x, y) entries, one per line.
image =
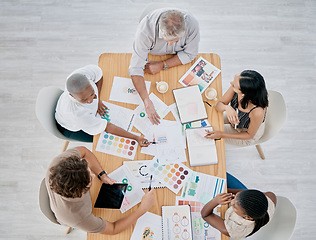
point(249, 211)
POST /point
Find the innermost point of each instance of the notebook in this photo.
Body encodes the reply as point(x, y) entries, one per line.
point(202, 151)
point(176, 222)
point(190, 104)
point(111, 196)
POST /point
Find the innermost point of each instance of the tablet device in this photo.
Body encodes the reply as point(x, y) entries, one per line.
point(111, 196)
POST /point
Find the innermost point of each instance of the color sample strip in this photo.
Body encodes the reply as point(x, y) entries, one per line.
point(172, 175)
point(117, 146)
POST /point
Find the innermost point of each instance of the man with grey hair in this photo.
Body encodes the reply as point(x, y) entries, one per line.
point(80, 113)
point(162, 31)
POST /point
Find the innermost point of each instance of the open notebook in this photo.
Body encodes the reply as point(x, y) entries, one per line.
point(202, 151)
point(190, 104)
point(176, 222)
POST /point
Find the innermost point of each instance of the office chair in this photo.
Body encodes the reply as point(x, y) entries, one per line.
point(281, 226)
point(45, 205)
point(275, 119)
point(45, 112)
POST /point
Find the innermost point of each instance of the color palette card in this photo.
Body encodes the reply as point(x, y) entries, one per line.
point(195, 190)
point(172, 175)
point(134, 193)
point(117, 146)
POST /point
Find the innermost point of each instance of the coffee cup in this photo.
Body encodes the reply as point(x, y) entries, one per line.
point(162, 86)
point(211, 94)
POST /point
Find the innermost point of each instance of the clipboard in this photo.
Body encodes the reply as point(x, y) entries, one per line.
point(190, 104)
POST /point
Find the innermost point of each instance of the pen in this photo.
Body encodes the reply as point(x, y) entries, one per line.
point(151, 178)
point(151, 142)
point(237, 115)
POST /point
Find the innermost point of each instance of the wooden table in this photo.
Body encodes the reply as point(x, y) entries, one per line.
point(116, 64)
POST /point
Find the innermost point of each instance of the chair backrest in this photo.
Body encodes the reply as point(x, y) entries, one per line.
point(45, 109)
point(276, 116)
point(153, 6)
point(45, 204)
point(282, 224)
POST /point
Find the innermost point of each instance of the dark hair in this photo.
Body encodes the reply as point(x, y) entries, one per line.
point(70, 177)
point(253, 87)
point(255, 205)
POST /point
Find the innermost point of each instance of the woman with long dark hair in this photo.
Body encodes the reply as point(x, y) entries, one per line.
point(249, 211)
point(244, 104)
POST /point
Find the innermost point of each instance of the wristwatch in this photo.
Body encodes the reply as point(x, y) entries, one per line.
point(165, 65)
point(101, 173)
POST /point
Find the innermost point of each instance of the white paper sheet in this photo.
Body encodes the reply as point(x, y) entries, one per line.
point(123, 90)
point(148, 227)
point(120, 116)
point(140, 170)
point(141, 120)
point(170, 140)
point(134, 193)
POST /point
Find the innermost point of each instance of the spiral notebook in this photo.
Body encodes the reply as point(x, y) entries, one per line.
point(176, 222)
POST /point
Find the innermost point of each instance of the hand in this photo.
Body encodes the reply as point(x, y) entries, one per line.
point(151, 111)
point(107, 180)
point(143, 142)
point(213, 134)
point(148, 201)
point(224, 198)
point(102, 109)
point(232, 115)
point(153, 67)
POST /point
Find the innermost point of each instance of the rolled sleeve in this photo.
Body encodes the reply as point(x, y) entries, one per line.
point(191, 47)
point(144, 40)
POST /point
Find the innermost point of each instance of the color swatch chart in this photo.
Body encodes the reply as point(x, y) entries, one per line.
point(172, 175)
point(117, 146)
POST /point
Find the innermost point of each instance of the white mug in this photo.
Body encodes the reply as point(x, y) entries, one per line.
point(162, 86)
point(211, 93)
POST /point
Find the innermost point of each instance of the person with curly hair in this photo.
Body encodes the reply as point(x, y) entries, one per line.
point(68, 181)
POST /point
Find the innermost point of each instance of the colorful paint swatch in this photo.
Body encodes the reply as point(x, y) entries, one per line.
point(172, 175)
point(117, 146)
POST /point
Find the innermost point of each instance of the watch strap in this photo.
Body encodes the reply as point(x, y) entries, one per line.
point(101, 173)
point(165, 65)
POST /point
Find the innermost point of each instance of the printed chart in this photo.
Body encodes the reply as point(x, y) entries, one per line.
point(117, 146)
point(148, 227)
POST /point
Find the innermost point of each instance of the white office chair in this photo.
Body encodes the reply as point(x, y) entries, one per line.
point(45, 205)
point(45, 112)
point(281, 226)
point(275, 118)
point(153, 6)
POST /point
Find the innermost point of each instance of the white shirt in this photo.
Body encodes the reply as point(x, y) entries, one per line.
point(148, 40)
point(76, 116)
point(238, 227)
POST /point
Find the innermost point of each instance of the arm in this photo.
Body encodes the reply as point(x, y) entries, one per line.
point(209, 216)
point(154, 67)
point(111, 128)
point(223, 105)
point(94, 164)
point(125, 222)
point(101, 107)
point(272, 196)
point(139, 83)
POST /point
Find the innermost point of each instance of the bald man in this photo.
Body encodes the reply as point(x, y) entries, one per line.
point(79, 108)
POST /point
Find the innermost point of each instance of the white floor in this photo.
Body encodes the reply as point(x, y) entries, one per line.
point(41, 42)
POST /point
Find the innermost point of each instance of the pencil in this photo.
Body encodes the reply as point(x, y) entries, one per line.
point(151, 178)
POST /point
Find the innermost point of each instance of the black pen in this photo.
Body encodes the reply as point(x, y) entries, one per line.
point(151, 142)
point(151, 178)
